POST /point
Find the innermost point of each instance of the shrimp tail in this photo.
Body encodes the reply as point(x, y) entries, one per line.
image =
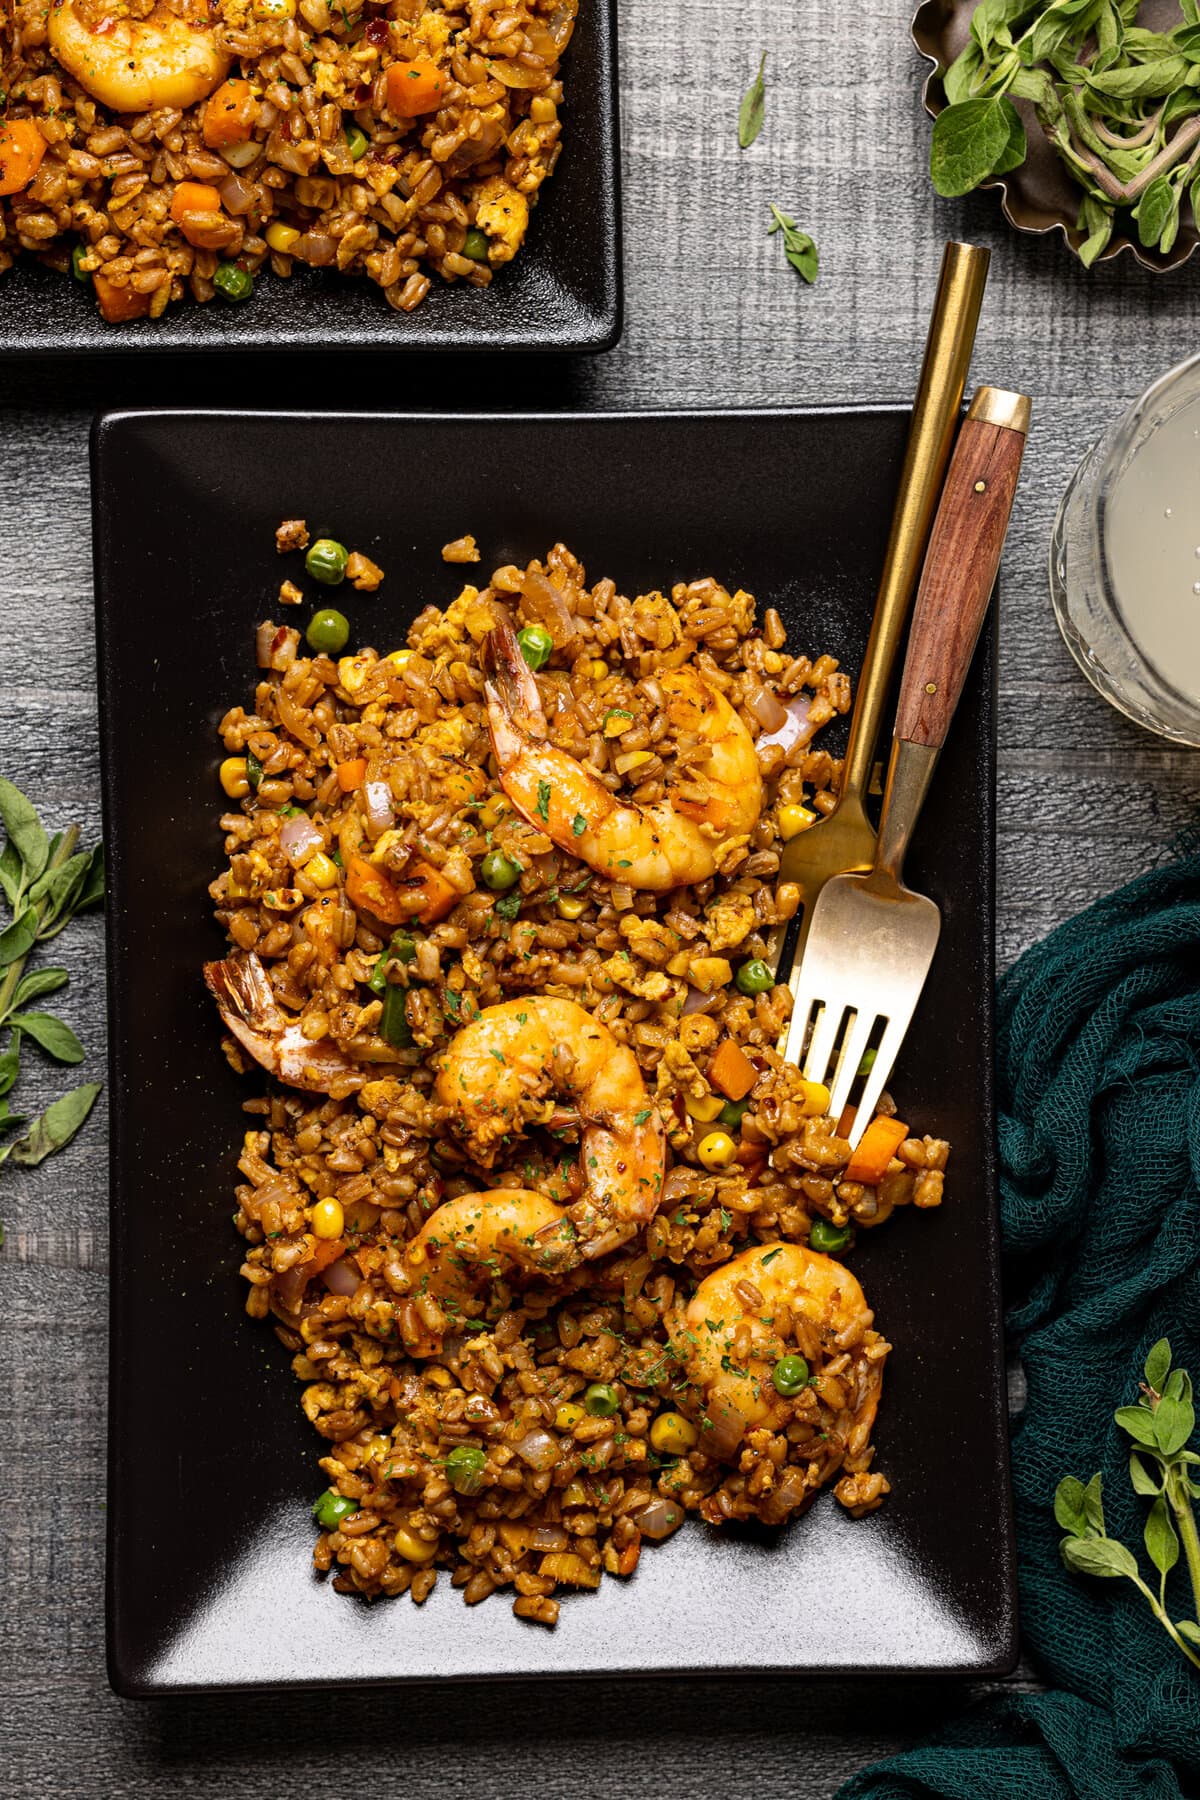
point(240, 987)
point(515, 709)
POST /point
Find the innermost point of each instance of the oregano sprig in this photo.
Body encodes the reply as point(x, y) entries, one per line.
point(1161, 1466)
point(46, 881)
point(798, 247)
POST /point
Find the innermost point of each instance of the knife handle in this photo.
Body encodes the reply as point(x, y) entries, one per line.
point(960, 565)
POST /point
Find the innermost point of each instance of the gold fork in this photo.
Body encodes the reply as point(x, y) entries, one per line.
point(845, 838)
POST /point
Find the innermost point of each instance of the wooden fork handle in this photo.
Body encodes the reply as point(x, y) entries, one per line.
point(961, 563)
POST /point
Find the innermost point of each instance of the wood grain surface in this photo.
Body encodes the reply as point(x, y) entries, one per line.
point(1085, 801)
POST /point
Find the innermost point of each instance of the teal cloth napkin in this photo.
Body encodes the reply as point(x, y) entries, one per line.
point(1098, 1052)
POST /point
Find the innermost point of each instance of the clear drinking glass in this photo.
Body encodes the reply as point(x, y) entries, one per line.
point(1125, 559)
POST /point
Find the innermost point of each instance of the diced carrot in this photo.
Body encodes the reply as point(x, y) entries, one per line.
point(119, 304)
point(352, 774)
point(845, 1124)
point(196, 209)
point(415, 87)
point(421, 893)
point(328, 1251)
point(230, 114)
point(876, 1148)
point(731, 1070)
point(22, 148)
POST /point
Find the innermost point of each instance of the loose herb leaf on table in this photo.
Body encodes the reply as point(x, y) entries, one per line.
point(1120, 105)
point(1161, 1467)
point(798, 247)
point(753, 107)
point(46, 881)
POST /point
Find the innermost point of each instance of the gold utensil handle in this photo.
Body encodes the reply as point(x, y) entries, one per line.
point(935, 415)
point(960, 568)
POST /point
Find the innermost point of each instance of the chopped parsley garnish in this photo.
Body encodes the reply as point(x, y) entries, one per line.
point(772, 1254)
point(543, 800)
point(579, 824)
point(509, 905)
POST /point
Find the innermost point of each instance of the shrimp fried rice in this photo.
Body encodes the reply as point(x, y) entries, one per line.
point(547, 1226)
point(163, 148)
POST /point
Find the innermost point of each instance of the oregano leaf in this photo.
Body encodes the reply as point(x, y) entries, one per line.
point(1097, 1556)
point(1069, 1510)
point(1138, 1422)
point(1140, 1476)
point(55, 1038)
point(1162, 1543)
point(753, 107)
point(1158, 1365)
point(53, 1129)
point(968, 141)
point(25, 830)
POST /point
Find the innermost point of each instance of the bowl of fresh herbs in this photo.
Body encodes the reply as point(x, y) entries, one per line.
point(1085, 113)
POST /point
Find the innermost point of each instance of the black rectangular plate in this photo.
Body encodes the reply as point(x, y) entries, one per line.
point(561, 292)
point(212, 1465)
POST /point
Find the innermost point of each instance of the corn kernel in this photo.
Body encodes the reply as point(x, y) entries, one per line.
point(572, 906)
point(282, 238)
point(717, 1150)
point(705, 1109)
point(815, 1103)
point(271, 11)
point(401, 658)
point(568, 1416)
point(794, 819)
point(492, 811)
point(283, 899)
point(413, 1548)
point(542, 109)
point(672, 1435)
point(234, 778)
point(321, 870)
point(599, 668)
point(616, 721)
point(328, 1219)
point(378, 1448)
point(236, 890)
point(633, 759)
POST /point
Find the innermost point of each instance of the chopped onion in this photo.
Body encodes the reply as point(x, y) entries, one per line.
point(341, 1277)
point(316, 248)
point(377, 804)
point(760, 701)
point(794, 728)
point(549, 1537)
point(697, 1001)
point(263, 639)
point(237, 196)
point(290, 1285)
point(658, 1520)
point(538, 1449)
point(299, 840)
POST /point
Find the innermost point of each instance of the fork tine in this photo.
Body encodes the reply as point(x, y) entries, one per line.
point(853, 1051)
point(824, 1042)
point(881, 1068)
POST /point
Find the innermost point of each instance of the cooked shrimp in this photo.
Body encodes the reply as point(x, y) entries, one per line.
point(498, 1068)
point(730, 1338)
point(249, 1010)
point(673, 843)
point(169, 59)
point(472, 1240)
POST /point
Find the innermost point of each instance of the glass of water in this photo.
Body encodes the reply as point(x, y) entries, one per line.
point(1125, 559)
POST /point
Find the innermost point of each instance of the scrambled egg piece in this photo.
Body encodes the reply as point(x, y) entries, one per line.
point(435, 31)
point(729, 921)
point(504, 214)
point(623, 973)
point(468, 614)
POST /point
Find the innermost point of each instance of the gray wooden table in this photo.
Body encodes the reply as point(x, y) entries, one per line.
point(1085, 802)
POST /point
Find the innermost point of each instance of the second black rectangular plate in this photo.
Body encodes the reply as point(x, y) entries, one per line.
point(212, 1466)
point(561, 292)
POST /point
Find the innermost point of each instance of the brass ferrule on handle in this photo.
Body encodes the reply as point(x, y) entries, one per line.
point(910, 771)
point(930, 440)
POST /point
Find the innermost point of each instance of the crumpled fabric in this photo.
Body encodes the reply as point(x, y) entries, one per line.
point(1098, 1063)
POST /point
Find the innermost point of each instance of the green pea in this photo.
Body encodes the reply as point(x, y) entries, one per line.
point(77, 256)
point(733, 1112)
point(328, 631)
point(499, 871)
point(754, 977)
point(232, 282)
point(790, 1376)
point(393, 1021)
point(601, 1400)
point(331, 1508)
point(464, 1469)
point(868, 1062)
point(827, 1238)
point(326, 561)
point(475, 245)
point(536, 645)
point(357, 142)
